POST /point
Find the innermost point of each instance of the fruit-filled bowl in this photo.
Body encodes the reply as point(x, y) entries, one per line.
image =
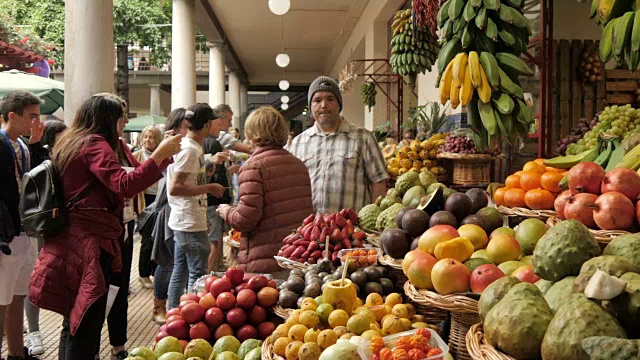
point(526, 213)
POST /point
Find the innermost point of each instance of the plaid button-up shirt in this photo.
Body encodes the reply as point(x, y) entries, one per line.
point(342, 166)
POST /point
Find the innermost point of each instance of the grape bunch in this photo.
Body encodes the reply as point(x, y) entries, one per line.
point(576, 134)
point(462, 145)
point(620, 121)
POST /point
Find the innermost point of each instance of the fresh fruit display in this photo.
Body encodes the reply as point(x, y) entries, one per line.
point(479, 65)
point(413, 48)
point(620, 121)
point(363, 257)
point(584, 306)
point(534, 187)
point(417, 344)
point(590, 65)
point(459, 144)
point(226, 348)
point(418, 157)
point(368, 94)
point(308, 243)
point(620, 20)
point(578, 131)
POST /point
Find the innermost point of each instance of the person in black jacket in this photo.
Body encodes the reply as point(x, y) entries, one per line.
point(20, 116)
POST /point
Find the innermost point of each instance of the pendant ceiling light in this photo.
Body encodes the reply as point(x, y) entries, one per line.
point(283, 85)
point(279, 7)
point(284, 106)
point(282, 60)
point(284, 99)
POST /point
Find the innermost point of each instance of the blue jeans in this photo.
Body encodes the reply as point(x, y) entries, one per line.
point(191, 253)
point(161, 279)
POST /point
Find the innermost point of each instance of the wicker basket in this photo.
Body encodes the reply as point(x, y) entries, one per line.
point(267, 350)
point(464, 313)
point(282, 312)
point(603, 237)
point(395, 268)
point(469, 169)
point(290, 264)
point(478, 347)
point(526, 213)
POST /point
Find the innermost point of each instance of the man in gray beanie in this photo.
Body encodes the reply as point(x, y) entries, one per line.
point(345, 164)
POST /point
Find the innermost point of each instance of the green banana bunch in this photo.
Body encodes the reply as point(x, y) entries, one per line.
point(413, 50)
point(631, 160)
point(568, 161)
point(621, 38)
point(616, 155)
point(368, 94)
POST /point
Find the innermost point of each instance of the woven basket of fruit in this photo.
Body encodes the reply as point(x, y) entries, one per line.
point(469, 169)
point(464, 313)
point(282, 312)
point(290, 264)
point(526, 213)
point(267, 350)
point(480, 349)
point(603, 237)
point(395, 267)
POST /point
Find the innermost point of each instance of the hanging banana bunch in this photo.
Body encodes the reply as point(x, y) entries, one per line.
point(621, 31)
point(368, 94)
point(479, 65)
point(413, 49)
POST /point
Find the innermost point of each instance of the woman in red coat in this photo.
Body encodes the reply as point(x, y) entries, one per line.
point(73, 270)
point(275, 193)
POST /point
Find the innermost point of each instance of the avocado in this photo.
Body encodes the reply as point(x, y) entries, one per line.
point(443, 218)
point(459, 205)
point(394, 243)
point(415, 222)
point(477, 220)
point(399, 216)
point(372, 273)
point(479, 199)
point(432, 202)
point(373, 287)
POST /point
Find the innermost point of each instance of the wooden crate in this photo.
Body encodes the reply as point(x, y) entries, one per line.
point(620, 86)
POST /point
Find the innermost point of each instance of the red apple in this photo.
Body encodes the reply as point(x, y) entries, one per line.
point(246, 298)
point(246, 277)
point(236, 317)
point(174, 311)
point(185, 302)
point(223, 330)
point(214, 317)
point(241, 287)
point(190, 296)
point(209, 281)
point(258, 282)
point(192, 313)
point(163, 328)
point(173, 318)
point(483, 276)
point(225, 301)
point(272, 283)
point(246, 332)
point(199, 330)
point(235, 274)
point(178, 329)
point(265, 329)
point(525, 274)
point(207, 301)
point(267, 296)
point(219, 286)
point(257, 314)
point(201, 294)
point(161, 335)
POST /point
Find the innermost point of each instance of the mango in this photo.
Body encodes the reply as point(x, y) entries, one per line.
point(459, 248)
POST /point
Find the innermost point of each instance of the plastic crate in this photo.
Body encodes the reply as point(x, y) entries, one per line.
point(390, 342)
point(363, 261)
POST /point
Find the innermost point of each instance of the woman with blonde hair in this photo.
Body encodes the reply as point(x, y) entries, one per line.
point(275, 193)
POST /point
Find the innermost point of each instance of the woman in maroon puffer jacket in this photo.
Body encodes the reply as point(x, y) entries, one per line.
point(275, 193)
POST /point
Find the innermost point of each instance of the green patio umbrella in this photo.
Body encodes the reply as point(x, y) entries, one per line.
point(138, 124)
point(51, 91)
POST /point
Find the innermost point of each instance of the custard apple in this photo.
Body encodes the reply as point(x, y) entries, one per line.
point(387, 217)
point(626, 246)
point(626, 306)
point(493, 293)
point(406, 181)
point(609, 348)
point(558, 292)
point(368, 215)
point(612, 265)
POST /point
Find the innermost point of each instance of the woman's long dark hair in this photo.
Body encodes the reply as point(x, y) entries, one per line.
point(98, 115)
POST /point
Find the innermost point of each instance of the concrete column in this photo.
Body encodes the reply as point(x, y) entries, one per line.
point(183, 54)
point(88, 52)
point(217, 77)
point(155, 108)
point(234, 98)
point(375, 47)
point(244, 99)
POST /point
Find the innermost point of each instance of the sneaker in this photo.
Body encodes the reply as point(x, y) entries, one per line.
point(26, 357)
point(146, 282)
point(34, 343)
point(119, 356)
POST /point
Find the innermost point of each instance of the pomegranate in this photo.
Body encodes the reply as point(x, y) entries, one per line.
point(560, 202)
point(585, 177)
point(613, 211)
point(625, 181)
point(578, 207)
point(638, 211)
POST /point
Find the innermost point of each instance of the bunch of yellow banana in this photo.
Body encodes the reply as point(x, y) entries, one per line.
point(368, 94)
point(621, 38)
point(400, 20)
point(413, 50)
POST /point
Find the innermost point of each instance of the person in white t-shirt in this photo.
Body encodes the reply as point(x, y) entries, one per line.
point(187, 196)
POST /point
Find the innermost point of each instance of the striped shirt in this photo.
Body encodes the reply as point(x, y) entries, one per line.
point(342, 166)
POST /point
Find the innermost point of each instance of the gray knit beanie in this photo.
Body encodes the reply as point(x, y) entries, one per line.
point(325, 83)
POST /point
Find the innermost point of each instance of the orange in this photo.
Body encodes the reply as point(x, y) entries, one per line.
point(539, 161)
point(518, 173)
point(533, 166)
point(550, 180)
point(498, 196)
point(512, 181)
point(552, 169)
point(539, 199)
point(530, 180)
point(514, 198)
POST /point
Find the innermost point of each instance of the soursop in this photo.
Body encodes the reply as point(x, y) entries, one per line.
point(563, 249)
point(602, 286)
point(493, 293)
point(626, 246)
point(368, 215)
point(626, 306)
point(612, 265)
point(387, 217)
point(609, 348)
point(558, 292)
point(517, 324)
point(406, 181)
point(544, 285)
point(577, 319)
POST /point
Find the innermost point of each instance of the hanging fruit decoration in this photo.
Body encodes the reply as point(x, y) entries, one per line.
point(620, 21)
point(368, 94)
point(413, 49)
point(479, 65)
point(426, 15)
point(590, 65)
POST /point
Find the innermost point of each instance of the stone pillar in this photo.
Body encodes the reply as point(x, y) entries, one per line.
point(234, 99)
point(375, 47)
point(183, 54)
point(244, 99)
point(217, 77)
point(88, 52)
point(155, 108)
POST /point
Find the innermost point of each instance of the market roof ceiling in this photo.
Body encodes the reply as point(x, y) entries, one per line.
point(312, 33)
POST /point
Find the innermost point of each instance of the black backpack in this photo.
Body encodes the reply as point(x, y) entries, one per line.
point(42, 207)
